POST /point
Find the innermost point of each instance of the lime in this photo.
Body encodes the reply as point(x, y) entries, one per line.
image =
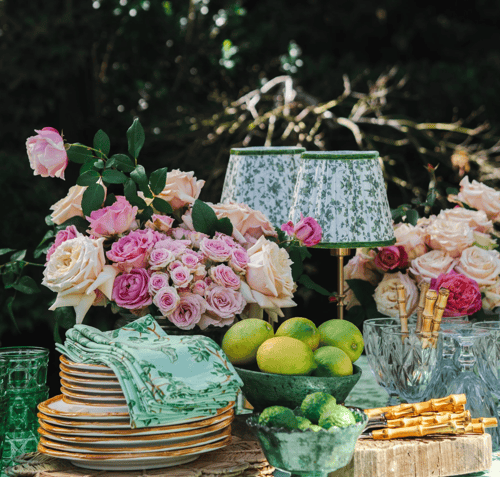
point(336, 416)
point(242, 340)
point(313, 405)
point(285, 355)
point(278, 416)
point(332, 361)
point(344, 335)
point(302, 329)
point(303, 423)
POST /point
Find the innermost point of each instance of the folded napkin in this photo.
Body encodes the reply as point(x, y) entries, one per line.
point(165, 379)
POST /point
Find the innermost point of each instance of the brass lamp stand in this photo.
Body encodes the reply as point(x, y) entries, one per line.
point(340, 253)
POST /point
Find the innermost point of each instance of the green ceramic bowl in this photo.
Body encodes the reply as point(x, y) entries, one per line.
point(308, 453)
point(265, 389)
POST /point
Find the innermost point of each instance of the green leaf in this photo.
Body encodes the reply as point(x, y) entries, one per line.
point(4, 251)
point(99, 164)
point(10, 311)
point(431, 197)
point(48, 220)
point(309, 283)
point(92, 199)
point(157, 180)
point(121, 162)
point(135, 138)
point(146, 214)
point(224, 226)
point(297, 266)
point(79, 153)
point(304, 252)
point(65, 319)
point(79, 222)
point(110, 200)
point(8, 278)
point(140, 177)
point(18, 256)
point(88, 166)
point(101, 142)
point(42, 247)
point(162, 206)
point(204, 218)
point(88, 178)
point(452, 191)
point(26, 285)
point(412, 217)
point(111, 176)
point(130, 190)
point(364, 291)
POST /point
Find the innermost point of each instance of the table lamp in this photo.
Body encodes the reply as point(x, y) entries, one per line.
point(345, 192)
point(264, 179)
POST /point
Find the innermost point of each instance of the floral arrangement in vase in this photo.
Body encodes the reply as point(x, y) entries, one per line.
point(456, 249)
point(155, 247)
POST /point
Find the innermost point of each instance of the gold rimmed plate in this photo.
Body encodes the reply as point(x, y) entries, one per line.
point(83, 373)
point(83, 391)
point(99, 368)
point(116, 398)
point(89, 382)
point(58, 407)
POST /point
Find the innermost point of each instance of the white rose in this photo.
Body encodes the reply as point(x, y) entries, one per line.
point(491, 295)
point(481, 265)
point(411, 238)
point(386, 297)
point(431, 265)
point(69, 206)
point(75, 270)
point(448, 235)
point(476, 219)
point(268, 280)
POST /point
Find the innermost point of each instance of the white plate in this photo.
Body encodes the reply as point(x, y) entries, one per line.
point(89, 383)
point(82, 373)
point(111, 423)
point(92, 399)
point(99, 368)
point(123, 450)
point(57, 407)
point(89, 390)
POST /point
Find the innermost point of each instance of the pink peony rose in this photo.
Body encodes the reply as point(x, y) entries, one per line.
point(167, 300)
point(189, 311)
point(157, 281)
point(223, 304)
point(160, 257)
point(215, 249)
point(225, 276)
point(181, 188)
point(130, 290)
point(114, 219)
point(239, 259)
point(163, 223)
point(465, 296)
point(47, 154)
point(307, 231)
point(181, 276)
point(229, 240)
point(391, 258)
point(61, 236)
point(178, 247)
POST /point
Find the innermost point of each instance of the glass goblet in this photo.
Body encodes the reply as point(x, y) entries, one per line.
point(411, 359)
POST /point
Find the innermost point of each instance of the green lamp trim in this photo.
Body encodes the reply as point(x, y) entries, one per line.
point(341, 155)
point(380, 243)
point(266, 151)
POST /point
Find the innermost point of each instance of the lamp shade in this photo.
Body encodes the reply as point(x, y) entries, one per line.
point(264, 179)
point(345, 192)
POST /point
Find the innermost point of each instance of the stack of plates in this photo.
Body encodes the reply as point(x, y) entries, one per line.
point(89, 425)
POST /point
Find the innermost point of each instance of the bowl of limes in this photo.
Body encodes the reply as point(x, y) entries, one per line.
point(282, 368)
point(314, 439)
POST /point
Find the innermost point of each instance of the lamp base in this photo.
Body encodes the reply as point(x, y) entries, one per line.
point(340, 253)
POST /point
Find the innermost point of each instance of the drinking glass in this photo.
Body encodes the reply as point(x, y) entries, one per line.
point(26, 386)
point(3, 404)
point(411, 359)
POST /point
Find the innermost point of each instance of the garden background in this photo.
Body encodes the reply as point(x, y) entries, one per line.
point(419, 83)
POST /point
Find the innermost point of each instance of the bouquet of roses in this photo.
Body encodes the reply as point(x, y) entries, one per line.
point(156, 248)
point(456, 249)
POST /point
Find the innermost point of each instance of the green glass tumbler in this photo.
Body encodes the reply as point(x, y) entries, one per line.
point(3, 404)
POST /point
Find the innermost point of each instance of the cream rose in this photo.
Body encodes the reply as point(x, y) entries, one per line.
point(431, 265)
point(69, 206)
point(359, 267)
point(181, 188)
point(481, 265)
point(385, 295)
point(479, 196)
point(268, 280)
point(411, 238)
point(75, 270)
point(476, 219)
point(448, 235)
point(491, 295)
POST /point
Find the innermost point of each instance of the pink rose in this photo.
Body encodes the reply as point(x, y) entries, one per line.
point(61, 236)
point(391, 258)
point(157, 281)
point(239, 259)
point(215, 249)
point(225, 276)
point(167, 300)
point(181, 188)
point(113, 219)
point(449, 235)
point(175, 264)
point(223, 304)
point(188, 312)
point(191, 259)
point(160, 257)
point(229, 240)
point(199, 287)
point(47, 154)
point(178, 247)
point(465, 296)
point(307, 231)
point(163, 223)
point(132, 250)
point(130, 290)
point(181, 276)
point(431, 265)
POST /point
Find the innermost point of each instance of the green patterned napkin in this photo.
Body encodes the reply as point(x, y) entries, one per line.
point(165, 379)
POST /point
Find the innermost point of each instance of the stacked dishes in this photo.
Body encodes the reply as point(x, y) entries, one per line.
point(89, 425)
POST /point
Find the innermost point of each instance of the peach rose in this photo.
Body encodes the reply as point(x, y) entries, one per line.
point(385, 295)
point(479, 196)
point(481, 265)
point(69, 206)
point(491, 295)
point(359, 267)
point(181, 188)
point(268, 280)
point(431, 265)
point(476, 219)
point(411, 238)
point(75, 270)
point(448, 235)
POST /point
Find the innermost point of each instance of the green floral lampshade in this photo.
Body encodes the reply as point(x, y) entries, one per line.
point(345, 192)
point(264, 179)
